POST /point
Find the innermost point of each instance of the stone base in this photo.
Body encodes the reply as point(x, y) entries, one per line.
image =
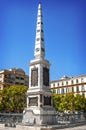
point(46, 117)
point(22, 127)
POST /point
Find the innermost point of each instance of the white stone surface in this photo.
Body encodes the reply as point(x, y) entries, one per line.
point(20, 127)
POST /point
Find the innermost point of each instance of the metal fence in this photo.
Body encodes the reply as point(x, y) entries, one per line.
point(63, 118)
point(11, 119)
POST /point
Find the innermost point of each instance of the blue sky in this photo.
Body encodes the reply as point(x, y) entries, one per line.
point(64, 32)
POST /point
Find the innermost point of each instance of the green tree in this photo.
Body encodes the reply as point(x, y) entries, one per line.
point(57, 101)
point(14, 98)
point(70, 102)
point(80, 102)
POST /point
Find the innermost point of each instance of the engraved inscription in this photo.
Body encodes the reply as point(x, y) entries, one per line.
point(46, 76)
point(33, 101)
point(47, 100)
point(34, 77)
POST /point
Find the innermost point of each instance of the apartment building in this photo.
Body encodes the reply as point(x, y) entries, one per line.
point(13, 76)
point(76, 85)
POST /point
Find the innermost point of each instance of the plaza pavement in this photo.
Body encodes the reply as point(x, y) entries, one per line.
point(73, 128)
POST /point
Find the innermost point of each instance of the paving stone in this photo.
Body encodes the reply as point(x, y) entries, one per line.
point(73, 128)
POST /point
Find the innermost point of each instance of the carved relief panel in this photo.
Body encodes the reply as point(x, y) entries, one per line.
point(33, 101)
point(46, 76)
point(47, 100)
point(34, 77)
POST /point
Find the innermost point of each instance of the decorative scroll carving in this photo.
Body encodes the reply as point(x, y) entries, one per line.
point(46, 76)
point(34, 77)
point(47, 100)
point(33, 101)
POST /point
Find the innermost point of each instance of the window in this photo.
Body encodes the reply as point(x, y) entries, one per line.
point(66, 82)
point(72, 89)
point(53, 85)
point(12, 77)
point(67, 90)
point(17, 83)
point(58, 84)
point(82, 88)
point(62, 90)
point(6, 76)
point(62, 83)
point(82, 80)
point(76, 80)
point(17, 77)
point(77, 89)
point(58, 91)
point(26, 81)
point(71, 81)
point(12, 82)
point(22, 78)
point(54, 91)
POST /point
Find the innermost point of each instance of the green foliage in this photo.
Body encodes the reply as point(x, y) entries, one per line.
point(13, 99)
point(80, 102)
point(57, 101)
point(69, 102)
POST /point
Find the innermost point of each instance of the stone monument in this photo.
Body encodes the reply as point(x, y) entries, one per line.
point(39, 110)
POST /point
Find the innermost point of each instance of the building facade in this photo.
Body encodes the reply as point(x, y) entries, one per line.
point(13, 76)
point(76, 85)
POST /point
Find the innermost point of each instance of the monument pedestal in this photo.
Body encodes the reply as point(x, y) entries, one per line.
point(39, 109)
point(47, 117)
